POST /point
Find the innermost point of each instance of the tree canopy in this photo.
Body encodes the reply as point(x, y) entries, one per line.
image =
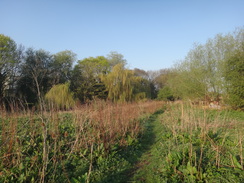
point(211, 71)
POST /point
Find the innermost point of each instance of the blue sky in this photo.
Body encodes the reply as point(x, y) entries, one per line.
point(151, 34)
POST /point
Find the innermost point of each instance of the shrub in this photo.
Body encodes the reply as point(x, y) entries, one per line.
point(165, 94)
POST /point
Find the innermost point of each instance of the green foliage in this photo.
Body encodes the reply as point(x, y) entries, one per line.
point(234, 76)
point(187, 151)
point(115, 58)
point(201, 74)
point(85, 82)
point(35, 78)
point(165, 94)
point(121, 84)
point(60, 96)
point(9, 59)
point(62, 66)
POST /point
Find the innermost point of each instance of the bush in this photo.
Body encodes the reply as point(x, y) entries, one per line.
point(165, 94)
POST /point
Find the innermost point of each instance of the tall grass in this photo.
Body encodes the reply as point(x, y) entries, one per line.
point(58, 146)
point(202, 145)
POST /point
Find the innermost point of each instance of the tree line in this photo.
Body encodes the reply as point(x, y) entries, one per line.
point(213, 71)
point(34, 77)
point(210, 72)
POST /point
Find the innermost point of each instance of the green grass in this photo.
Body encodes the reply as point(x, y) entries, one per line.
point(185, 150)
point(124, 162)
point(176, 144)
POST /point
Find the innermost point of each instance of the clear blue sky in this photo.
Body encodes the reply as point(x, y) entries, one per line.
point(151, 34)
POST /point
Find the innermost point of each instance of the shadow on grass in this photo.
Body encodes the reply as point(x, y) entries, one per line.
point(133, 153)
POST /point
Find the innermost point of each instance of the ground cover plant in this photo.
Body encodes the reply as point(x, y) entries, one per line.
point(82, 145)
point(194, 145)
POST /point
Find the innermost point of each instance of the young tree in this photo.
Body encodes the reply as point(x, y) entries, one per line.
point(165, 94)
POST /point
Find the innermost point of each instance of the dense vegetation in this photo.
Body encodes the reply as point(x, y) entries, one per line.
point(79, 146)
point(95, 120)
point(210, 72)
point(194, 145)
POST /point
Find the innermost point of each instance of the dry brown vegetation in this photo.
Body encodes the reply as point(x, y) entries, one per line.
point(41, 142)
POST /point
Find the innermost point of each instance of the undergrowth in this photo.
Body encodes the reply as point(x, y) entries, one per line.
point(105, 142)
point(195, 145)
point(82, 145)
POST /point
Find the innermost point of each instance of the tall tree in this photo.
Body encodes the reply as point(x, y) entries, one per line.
point(201, 74)
point(62, 66)
point(115, 58)
point(86, 82)
point(35, 78)
point(145, 85)
point(120, 83)
point(234, 77)
point(10, 56)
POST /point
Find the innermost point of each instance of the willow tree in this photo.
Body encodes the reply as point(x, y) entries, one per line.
point(60, 97)
point(120, 83)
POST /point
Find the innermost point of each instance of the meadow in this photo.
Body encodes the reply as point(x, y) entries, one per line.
point(129, 142)
point(195, 144)
point(68, 146)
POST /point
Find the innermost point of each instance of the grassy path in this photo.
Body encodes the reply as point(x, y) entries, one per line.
point(131, 164)
point(145, 169)
point(165, 153)
point(185, 156)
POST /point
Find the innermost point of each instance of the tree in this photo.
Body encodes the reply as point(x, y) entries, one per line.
point(234, 76)
point(10, 57)
point(120, 83)
point(200, 75)
point(165, 94)
point(145, 85)
point(161, 78)
point(115, 58)
point(86, 82)
point(60, 97)
point(35, 78)
point(62, 66)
